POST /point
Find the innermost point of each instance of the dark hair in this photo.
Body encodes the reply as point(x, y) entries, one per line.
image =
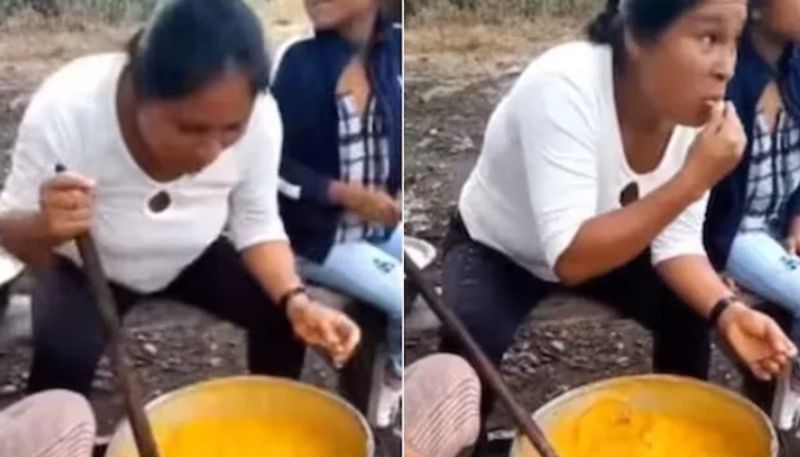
point(788, 67)
point(189, 43)
point(646, 19)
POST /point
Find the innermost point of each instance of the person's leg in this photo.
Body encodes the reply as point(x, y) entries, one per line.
point(68, 333)
point(490, 294)
point(364, 271)
point(219, 282)
point(442, 406)
point(681, 337)
point(759, 264)
point(56, 423)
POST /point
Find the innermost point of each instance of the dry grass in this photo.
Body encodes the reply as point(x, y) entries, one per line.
point(31, 46)
point(494, 36)
point(494, 11)
point(469, 49)
point(112, 11)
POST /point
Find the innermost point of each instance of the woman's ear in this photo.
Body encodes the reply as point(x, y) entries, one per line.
point(755, 12)
point(632, 47)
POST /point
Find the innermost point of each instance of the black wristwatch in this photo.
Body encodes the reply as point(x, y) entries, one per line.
point(719, 308)
point(283, 302)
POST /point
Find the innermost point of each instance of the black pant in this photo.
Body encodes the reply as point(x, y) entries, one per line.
point(493, 295)
point(69, 336)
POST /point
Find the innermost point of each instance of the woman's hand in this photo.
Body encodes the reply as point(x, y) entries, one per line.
point(323, 327)
point(717, 149)
point(793, 236)
point(756, 339)
point(371, 205)
point(66, 206)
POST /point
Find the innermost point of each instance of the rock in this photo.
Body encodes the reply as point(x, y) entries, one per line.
point(619, 345)
point(104, 373)
point(215, 362)
point(150, 348)
point(558, 345)
point(103, 385)
point(8, 389)
point(622, 360)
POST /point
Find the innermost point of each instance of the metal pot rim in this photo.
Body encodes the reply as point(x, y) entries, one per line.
point(255, 379)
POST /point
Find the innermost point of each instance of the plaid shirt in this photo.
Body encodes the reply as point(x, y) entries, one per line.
point(364, 159)
point(774, 173)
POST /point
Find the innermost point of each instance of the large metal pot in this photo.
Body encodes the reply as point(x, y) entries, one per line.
point(660, 393)
point(250, 396)
point(422, 253)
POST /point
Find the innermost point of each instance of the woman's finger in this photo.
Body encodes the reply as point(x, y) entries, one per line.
point(771, 366)
point(351, 336)
point(760, 372)
point(70, 181)
point(778, 340)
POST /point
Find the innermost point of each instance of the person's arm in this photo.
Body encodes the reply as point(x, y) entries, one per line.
point(257, 231)
point(754, 337)
point(39, 210)
point(298, 181)
point(680, 260)
point(792, 240)
point(611, 240)
point(559, 141)
point(679, 257)
point(560, 147)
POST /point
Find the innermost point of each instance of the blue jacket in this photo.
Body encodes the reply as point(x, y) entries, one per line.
point(726, 204)
point(305, 89)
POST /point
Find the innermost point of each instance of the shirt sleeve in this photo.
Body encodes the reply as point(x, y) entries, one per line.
point(255, 217)
point(43, 140)
point(558, 138)
point(682, 237)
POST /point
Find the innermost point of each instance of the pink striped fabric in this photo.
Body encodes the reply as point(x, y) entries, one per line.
point(50, 424)
point(442, 404)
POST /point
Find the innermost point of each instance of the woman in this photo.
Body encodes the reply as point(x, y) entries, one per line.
point(339, 93)
point(56, 423)
point(592, 178)
point(165, 147)
point(752, 229)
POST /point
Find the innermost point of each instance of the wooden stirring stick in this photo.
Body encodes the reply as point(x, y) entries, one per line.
point(131, 393)
point(482, 364)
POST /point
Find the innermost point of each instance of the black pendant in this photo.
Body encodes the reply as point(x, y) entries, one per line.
point(629, 194)
point(159, 202)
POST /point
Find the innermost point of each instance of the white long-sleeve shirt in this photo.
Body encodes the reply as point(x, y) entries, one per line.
point(72, 120)
point(553, 158)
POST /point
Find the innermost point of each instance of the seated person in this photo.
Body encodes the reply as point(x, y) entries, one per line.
point(339, 94)
point(752, 229)
point(593, 178)
point(165, 146)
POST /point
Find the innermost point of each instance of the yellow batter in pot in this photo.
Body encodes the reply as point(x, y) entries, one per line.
point(612, 428)
point(248, 437)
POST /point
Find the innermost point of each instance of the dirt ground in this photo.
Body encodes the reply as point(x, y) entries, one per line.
point(455, 75)
point(172, 346)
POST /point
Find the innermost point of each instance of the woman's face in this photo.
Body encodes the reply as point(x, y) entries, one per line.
point(780, 18)
point(690, 64)
point(333, 14)
point(187, 134)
